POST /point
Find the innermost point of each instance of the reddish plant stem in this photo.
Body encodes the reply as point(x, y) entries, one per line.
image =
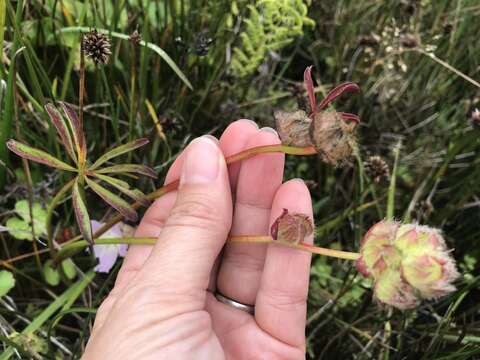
point(292, 150)
point(301, 246)
point(310, 150)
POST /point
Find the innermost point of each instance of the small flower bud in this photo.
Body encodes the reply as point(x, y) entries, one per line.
point(407, 262)
point(291, 228)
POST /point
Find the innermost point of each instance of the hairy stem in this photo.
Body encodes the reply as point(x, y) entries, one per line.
point(67, 250)
point(301, 246)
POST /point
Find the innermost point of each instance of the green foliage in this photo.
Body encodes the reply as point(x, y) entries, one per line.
point(73, 139)
point(21, 227)
point(270, 26)
point(52, 275)
point(7, 282)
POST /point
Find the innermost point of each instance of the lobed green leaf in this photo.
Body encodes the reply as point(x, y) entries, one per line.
point(37, 155)
point(128, 168)
point(122, 186)
point(119, 150)
point(77, 129)
point(81, 212)
point(113, 200)
point(62, 129)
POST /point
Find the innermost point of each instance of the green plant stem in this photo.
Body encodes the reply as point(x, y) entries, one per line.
point(56, 199)
point(393, 184)
point(249, 239)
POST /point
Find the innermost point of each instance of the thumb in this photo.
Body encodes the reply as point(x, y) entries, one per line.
point(198, 225)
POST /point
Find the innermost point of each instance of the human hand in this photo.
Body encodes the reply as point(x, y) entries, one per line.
point(162, 305)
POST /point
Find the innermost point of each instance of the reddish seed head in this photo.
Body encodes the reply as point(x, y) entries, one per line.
point(291, 228)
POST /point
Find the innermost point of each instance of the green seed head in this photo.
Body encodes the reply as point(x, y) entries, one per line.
point(407, 262)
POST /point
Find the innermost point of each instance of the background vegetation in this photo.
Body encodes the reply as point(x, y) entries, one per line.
point(415, 61)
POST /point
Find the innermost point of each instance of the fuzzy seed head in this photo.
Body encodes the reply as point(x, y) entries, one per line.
point(333, 138)
point(376, 169)
point(291, 228)
point(97, 47)
point(408, 263)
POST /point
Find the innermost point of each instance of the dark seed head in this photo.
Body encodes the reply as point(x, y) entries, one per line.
point(135, 37)
point(376, 169)
point(97, 47)
point(202, 44)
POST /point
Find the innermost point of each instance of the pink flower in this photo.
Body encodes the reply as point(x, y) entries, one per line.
point(407, 262)
point(107, 254)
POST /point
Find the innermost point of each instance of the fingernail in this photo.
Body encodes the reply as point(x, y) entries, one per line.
point(269, 129)
point(201, 164)
point(248, 121)
point(297, 180)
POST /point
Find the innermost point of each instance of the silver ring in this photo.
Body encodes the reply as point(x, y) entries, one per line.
point(227, 301)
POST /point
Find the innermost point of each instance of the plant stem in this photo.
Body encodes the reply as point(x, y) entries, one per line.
point(292, 150)
point(50, 209)
point(159, 192)
point(301, 246)
point(81, 96)
point(249, 239)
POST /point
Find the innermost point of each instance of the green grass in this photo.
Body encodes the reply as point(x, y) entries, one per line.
point(407, 96)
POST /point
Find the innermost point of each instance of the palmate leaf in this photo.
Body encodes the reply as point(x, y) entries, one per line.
point(119, 150)
point(77, 130)
point(123, 186)
point(113, 200)
point(37, 155)
point(62, 129)
point(81, 213)
point(128, 168)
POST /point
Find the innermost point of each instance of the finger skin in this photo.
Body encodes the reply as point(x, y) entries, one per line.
point(282, 296)
point(197, 226)
point(258, 180)
point(233, 140)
